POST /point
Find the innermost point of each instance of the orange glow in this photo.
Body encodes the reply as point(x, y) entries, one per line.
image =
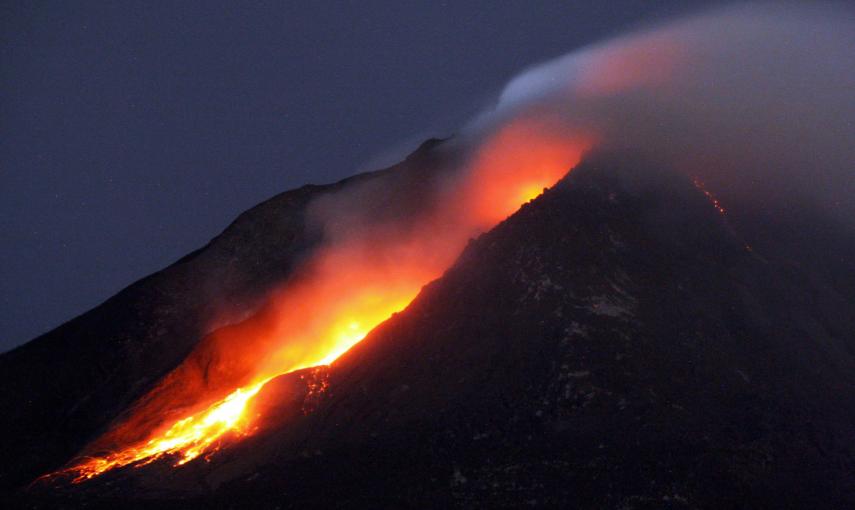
point(514, 166)
point(345, 290)
point(529, 193)
point(188, 438)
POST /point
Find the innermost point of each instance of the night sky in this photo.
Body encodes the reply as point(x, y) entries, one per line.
point(133, 132)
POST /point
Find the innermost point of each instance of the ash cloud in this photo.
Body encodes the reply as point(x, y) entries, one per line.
point(757, 100)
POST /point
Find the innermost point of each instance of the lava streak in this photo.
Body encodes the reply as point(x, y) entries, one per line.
point(187, 438)
point(713, 200)
point(360, 277)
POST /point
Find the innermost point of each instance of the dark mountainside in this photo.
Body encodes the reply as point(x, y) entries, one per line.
point(617, 343)
point(62, 389)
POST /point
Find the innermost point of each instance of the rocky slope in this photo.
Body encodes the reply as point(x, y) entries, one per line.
point(617, 343)
point(61, 390)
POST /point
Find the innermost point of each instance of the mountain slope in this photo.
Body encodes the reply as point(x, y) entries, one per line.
point(62, 389)
point(617, 343)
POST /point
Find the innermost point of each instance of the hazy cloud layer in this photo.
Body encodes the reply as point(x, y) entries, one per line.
point(757, 100)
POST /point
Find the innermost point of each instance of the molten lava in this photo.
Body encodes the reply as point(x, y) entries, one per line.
point(351, 284)
point(187, 438)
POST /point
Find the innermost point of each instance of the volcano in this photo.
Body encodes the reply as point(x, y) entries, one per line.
point(624, 340)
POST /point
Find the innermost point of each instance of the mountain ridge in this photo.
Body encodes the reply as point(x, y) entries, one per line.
point(124, 346)
point(618, 342)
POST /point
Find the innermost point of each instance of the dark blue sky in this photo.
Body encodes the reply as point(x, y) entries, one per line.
point(133, 132)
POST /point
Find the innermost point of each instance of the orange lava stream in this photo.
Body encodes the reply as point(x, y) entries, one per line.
point(188, 438)
point(352, 286)
point(203, 432)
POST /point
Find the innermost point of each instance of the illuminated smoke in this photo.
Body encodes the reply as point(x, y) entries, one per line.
point(756, 100)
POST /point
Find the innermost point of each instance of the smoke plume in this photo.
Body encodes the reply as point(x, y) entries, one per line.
point(757, 100)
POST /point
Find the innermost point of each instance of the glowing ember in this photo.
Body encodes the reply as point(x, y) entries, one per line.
point(349, 287)
point(529, 193)
point(710, 196)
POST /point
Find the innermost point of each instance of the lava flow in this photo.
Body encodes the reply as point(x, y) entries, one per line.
point(353, 283)
point(188, 438)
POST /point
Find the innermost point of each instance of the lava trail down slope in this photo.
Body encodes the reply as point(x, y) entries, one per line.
point(622, 341)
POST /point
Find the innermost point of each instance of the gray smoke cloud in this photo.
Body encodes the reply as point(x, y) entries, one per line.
point(757, 100)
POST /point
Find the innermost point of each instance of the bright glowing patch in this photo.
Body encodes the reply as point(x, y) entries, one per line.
point(188, 438)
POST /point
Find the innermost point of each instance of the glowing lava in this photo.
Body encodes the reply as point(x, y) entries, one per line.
point(187, 438)
point(349, 286)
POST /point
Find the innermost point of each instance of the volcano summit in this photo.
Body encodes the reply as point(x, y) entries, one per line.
point(594, 350)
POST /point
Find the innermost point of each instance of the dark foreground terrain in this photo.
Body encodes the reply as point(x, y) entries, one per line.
point(617, 343)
